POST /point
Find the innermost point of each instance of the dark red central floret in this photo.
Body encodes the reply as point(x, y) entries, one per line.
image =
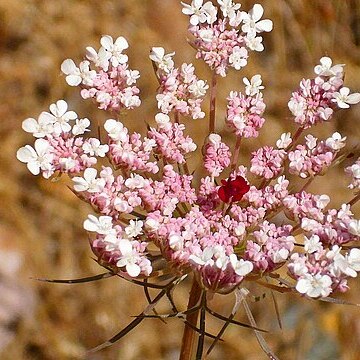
point(233, 190)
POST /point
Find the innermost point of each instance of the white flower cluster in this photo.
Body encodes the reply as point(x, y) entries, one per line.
point(57, 146)
point(109, 52)
point(111, 83)
point(313, 283)
point(253, 86)
point(56, 122)
point(123, 243)
point(252, 24)
point(216, 255)
point(342, 98)
point(164, 62)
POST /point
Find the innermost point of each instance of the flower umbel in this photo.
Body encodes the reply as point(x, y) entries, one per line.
point(161, 220)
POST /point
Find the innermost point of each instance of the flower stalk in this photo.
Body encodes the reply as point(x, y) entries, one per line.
point(236, 153)
point(212, 118)
point(189, 334)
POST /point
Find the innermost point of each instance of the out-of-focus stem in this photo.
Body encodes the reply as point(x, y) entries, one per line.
point(186, 168)
point(177, 120)
point(212, 103)
point(236, 152)
point(295, 229)
point(354, 199)
point(179, 211)
point(200, 347)
point(264, 183)
point(177, 117)
point(307, 184)
point(295, 137)
point(188, 338)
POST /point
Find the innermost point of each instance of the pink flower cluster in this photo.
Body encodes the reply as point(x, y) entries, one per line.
point(320, 271)
point(168, 194)
point(171, 144)
point(223, 40)
point(244, 114)
point(216, 155)
point(203, 243)
point(115, 246)
point(111, 84)
point(129, 152)
point(271, 247)
point(267, 162)
point(269, 197)
point(220, 47)
point(58, 147)
point(315, 100)
point(335, 227)
point(314, 158)
point(109, 194)
point(180, 90)
point(305, 205)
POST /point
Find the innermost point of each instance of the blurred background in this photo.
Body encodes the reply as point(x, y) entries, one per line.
point(41, 231)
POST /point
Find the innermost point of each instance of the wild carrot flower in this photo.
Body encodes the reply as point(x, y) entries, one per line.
point(154, 222)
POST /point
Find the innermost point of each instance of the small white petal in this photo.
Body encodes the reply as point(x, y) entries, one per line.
point(30, 125)
point(264, 25)
point(34, 167)
point(133, 270)
point(257, 12)
point(62, 107)
point(107, 42)
point(121, 43)
point(80, 184)
point(125, 246)
point(91, 223)
point(353, 98)
point(68, 67)
point(73, 80)
point(41, 146)
point(26, 154)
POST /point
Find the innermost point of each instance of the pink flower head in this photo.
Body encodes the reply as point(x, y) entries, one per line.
point(314, 102)
point(181, 91)
point(216, 155)
point(220, 47)
point(244, 114)
point(267, 162)
point(111, 83)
